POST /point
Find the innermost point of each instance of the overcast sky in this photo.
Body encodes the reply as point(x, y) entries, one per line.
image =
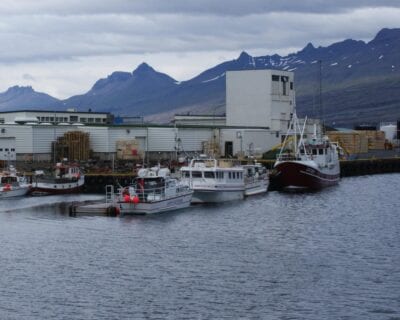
point(62, 47)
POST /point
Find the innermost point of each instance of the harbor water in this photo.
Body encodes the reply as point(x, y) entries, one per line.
point(333, 254)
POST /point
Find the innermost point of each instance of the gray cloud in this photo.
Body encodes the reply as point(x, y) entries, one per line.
point(73, 33)
point(231, 7)
point(28, 77)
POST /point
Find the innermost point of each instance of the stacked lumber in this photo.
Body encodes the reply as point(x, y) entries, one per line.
point(376, 139)
point(354, 142)
point(73, 145)
point(128, 150)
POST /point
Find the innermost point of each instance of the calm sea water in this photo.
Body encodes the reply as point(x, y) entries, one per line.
point(334, 254)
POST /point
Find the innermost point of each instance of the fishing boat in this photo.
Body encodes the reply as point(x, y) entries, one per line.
point(12, 184)
point(64, 179)
point(256, 179)
point(153, 191)
point(214, 180)
point(306, 163)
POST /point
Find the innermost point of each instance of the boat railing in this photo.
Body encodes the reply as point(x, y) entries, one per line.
point(50, 179)
point(152, 194)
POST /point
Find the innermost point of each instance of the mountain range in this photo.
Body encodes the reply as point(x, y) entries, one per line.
point(354, 82)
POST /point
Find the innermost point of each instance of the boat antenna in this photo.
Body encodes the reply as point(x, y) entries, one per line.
point(321, 107)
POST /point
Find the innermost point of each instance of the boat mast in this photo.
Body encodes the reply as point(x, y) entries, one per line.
point(321, 108)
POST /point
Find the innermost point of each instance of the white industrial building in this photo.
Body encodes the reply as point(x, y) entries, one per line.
point(68, 116)
point(34, 142)
point(259, 98)
point(259, 104)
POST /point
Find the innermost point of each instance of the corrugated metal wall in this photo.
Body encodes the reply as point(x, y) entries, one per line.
point(43, 136)
point(192, 138)
point(99, 138)
point(38, 139)
point(23, 137)
point(258, 141)
point(161, 139)
point(118, 134)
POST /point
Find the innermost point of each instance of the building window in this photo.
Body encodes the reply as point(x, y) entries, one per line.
point(275, 77)
point(73, 118)
point(284, 81)
point(83, 119)
point(90, 120)
point(291, 85)
point(98, 120)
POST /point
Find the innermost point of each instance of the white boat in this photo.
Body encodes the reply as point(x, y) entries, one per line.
point(306, 163)
point(65, 179)
point(12, 185)
point(214, 180)
point(153, 191)
point(256, 179)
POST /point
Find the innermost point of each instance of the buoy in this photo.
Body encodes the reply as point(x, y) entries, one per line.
point(112, 211)
point(135, 199)
point(127, 198)
point(7, 187)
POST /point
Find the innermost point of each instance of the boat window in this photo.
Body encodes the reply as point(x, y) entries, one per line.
point(321, 151)
point(196, 174)
point(314, 151)
point(209, 175)
point(230, 175)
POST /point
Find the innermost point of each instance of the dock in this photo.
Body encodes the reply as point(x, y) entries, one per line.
point(96, 182)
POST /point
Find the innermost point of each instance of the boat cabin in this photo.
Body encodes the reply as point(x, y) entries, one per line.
point(212, 169)
point(8, 180)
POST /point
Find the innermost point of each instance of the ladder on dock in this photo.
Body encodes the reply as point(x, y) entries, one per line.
point(110, 194)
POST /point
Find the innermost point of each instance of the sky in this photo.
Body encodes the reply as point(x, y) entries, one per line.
point(63, 47)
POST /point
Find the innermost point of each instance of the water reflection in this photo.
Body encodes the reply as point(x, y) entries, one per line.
point(327, 255)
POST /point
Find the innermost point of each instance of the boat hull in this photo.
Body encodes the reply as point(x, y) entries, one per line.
point(216, 196)
point(16, 192)
point(123, 208)
point(153, 207)
point(156, 206)
point(256, 187)
point(49, 188)
point(293, 175)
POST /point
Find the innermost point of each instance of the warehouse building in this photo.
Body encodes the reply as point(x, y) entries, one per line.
point(259, 104)
point(69, 116)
